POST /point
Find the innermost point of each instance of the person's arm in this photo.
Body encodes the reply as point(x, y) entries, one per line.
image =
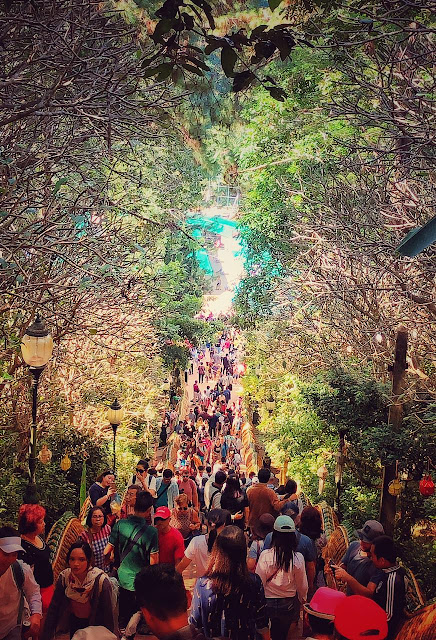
point(355, 586)
point(310, 572)
point(179, 550)
point(261, 616)
point(54, 610)
point(104, 606)
point(277, 504)
point(184, 562)
point(300, 579)
point(195, 496)
point(33, 597)
point(93, 493)
point(195, 523)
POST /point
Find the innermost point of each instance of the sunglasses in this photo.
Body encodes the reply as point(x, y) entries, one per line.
point(183, 508)
point(140, 470)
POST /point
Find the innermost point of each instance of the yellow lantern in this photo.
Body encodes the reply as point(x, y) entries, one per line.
point(65, 463)
point(395, 487)
point(45, 455)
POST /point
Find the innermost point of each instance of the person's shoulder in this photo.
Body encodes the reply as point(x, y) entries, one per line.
point(176, 534)
point(26, 569)
point(299, 558)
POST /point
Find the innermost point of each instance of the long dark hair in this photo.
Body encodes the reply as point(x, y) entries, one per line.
point(310, 522)
point(284, 544)
point(228, 562)
point(233, 487)
point(216, 518)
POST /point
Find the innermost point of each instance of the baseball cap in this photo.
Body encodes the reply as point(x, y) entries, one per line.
point(284, 524)
point(264, 525)
point(324, 603)
point(162, 512)
point(11, 544)
point(370, 531)
point(360, 618)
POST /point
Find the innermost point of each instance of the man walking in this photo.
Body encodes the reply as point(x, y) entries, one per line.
point(262, 500)
point(167, 490)
point(134, 544)
point(16, 584)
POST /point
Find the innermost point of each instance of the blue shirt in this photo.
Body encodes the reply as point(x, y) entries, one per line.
point(165, 498)
point(305, 546)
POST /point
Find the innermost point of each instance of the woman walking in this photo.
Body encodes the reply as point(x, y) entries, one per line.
point(200, 546)
point(229, 601)
point(82, 597)
point(233, 499)
point(97, 536)
point(184, 518)
point(31, 525)
point(283, 575)
point(103, 491)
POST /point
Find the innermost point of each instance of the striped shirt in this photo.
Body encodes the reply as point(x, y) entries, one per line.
point(390, 594)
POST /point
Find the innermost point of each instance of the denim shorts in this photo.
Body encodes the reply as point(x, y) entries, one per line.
point(287, 608)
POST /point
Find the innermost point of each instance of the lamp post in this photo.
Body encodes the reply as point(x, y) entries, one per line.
point(270, 403)
point(166, 387)
point(115, 415)
point(36, 349)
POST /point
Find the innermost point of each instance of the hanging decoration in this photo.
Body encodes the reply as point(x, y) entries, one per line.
point(426, 486)
point(45, 455)
point(65, 463)
point(322, 474)
point(395, 487)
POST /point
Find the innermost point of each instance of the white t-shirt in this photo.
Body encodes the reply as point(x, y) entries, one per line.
point(150, 482)
point(283, 584)
point(197, 550)
point(10, 598)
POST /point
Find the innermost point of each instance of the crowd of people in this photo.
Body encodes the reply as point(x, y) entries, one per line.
point(257, 551)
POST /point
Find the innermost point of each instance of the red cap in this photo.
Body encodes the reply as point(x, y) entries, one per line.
point(360, 618)
point(162, 512)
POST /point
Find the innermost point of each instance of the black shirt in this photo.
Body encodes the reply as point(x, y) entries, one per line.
point(95, 493)
point(39, 559)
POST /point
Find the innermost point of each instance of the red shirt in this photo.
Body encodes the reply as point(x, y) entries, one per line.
point(171, 546)
point(190, 489)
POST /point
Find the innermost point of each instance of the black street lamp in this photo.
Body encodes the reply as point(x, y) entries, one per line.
point(115, 415)
point(270, 404)
point(36, 349)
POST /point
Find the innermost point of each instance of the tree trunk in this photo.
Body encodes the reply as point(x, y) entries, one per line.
point(388, 503)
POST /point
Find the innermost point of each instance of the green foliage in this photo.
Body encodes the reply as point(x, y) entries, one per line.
point(58, 490)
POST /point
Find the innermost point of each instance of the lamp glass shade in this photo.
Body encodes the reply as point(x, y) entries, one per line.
point(36, 350)
point(115, 416)
point(270, 404)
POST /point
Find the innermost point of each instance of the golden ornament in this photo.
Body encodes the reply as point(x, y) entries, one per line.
point(45, 455)
point(395, 487)
point(65, 463)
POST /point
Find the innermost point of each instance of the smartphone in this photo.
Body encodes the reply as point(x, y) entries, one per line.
point(332, 566)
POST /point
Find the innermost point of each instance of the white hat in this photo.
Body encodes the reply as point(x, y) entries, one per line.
point(94, 633)
point(11, 544)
